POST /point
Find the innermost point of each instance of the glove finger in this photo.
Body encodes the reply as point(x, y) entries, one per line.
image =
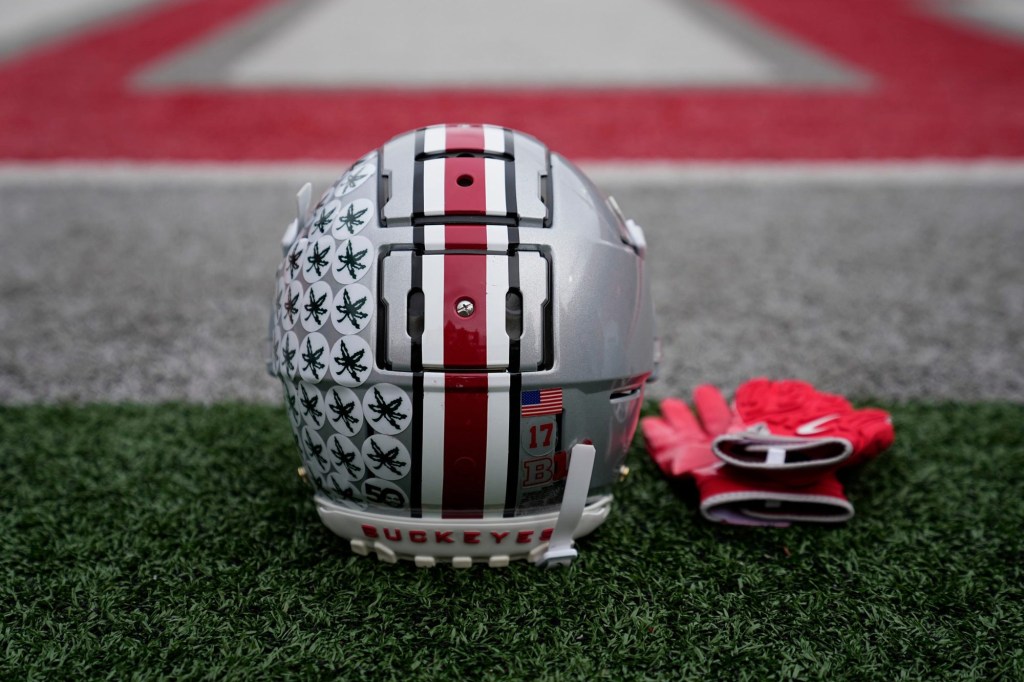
point(661, 439)
point(875, 433)
point(674, 455)
point(713, 410)
point(671, 460)
point(678, 415)
point(657, 433)
point(765, 400)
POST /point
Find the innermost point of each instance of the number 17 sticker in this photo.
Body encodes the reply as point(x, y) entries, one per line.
point(539, 435)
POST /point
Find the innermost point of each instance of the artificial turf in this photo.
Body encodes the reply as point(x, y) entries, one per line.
point(176, 541)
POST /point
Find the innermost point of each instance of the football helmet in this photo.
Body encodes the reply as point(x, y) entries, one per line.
point(463, 328)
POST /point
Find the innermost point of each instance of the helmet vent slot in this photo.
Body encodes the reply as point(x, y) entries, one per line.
point(414, 314)
point(427, 323)
point(464, 155)
point(625, 394)
point(514, 314)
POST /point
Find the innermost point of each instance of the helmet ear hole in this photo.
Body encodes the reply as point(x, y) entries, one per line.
point(514, 314)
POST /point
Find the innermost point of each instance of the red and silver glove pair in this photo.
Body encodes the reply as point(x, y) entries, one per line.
point(772, 457)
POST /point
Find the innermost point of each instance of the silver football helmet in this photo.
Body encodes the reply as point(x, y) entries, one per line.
point(463, 328)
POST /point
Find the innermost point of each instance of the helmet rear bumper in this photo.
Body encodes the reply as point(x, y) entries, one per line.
point(461, 542)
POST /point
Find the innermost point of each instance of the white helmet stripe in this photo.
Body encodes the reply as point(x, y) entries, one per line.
point(497, 238)
point(434, 139)
point(433, 444)
point(433, 187)
point(494, 179)
point(494, 139)
point(433, 310)
point(495, 293)
point(496, 480)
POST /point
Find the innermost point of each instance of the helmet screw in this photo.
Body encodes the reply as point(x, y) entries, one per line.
point(464, 307)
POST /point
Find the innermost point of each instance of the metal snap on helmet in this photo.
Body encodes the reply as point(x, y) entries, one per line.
point(463, 328)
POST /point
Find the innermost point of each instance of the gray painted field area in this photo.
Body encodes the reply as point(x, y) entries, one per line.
point(153, 287)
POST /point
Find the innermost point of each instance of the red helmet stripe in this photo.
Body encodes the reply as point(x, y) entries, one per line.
point(468, 414)
point(465, 446)
point(465, 185)
point(475, 139)
point(472, 237)
point(465, 338)
point(464, 139)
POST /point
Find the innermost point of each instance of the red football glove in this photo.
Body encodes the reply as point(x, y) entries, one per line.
point(677, 441)
point(770, 473)
point(795, 433)
point(730, 495)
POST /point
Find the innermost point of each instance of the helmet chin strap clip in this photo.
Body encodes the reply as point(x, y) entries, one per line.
point(560, 550)
point(302, 201)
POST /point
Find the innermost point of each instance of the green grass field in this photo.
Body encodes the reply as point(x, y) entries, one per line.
point(176, 541)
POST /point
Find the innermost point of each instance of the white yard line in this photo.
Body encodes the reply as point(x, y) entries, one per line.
point(24, 23)
point(332, 43)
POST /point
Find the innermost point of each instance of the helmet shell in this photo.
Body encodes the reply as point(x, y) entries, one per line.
point(458, 310)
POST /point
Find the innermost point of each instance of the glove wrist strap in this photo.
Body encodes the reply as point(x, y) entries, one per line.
point(765, 451)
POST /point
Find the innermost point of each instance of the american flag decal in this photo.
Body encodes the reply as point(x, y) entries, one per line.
point(544, 401)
